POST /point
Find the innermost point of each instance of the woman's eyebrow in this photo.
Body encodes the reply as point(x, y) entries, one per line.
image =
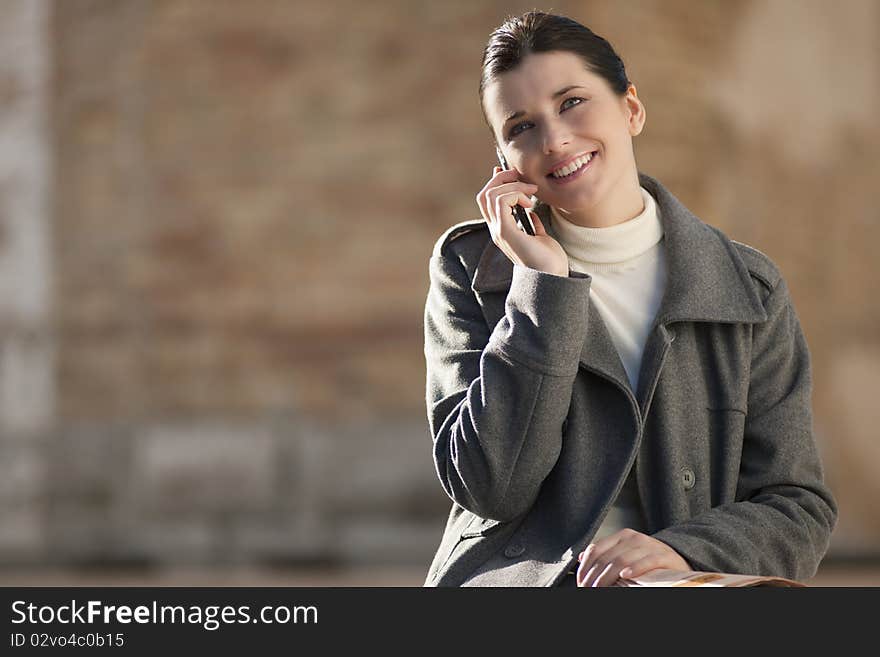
point(520, 113)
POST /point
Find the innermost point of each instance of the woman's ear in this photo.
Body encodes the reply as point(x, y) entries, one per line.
point(635, 111)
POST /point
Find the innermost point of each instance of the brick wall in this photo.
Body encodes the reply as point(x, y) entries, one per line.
point(215, 219)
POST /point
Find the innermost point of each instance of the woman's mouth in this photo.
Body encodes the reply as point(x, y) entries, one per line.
point(576, 169)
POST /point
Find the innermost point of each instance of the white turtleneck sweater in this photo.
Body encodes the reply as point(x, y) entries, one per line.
point(628, 269)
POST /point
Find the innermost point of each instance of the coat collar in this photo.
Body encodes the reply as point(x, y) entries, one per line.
point(707, 281)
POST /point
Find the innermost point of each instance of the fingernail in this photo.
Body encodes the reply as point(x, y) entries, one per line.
point(626, 572)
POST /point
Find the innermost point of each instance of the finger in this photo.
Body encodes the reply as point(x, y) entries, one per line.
point(482, 198)
point(589, 576)
point(501, 177)
point(504, 204)
point(494, 191)
point(504, 175)
point(585, 564)
point(619, 562)
point(646, 563)
point(607, 576)
point(481, 203)
point(515, 197)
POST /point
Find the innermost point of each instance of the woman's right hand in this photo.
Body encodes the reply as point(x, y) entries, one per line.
point(496, 200)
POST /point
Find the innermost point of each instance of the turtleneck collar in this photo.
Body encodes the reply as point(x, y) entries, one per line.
point(612, 245)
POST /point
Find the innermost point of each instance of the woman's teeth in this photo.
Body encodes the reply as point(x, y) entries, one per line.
point(574, 166)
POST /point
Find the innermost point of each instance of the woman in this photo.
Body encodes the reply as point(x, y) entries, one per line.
point(625, 390)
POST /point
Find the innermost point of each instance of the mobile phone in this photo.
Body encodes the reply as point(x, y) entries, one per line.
point(522, 217)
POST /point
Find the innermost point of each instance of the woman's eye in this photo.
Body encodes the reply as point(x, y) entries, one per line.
point(579, 101)
point(515, 130)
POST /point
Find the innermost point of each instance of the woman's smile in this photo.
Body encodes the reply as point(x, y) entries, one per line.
point(570, 172)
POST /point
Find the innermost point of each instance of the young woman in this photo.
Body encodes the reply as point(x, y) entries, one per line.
point(626, 389)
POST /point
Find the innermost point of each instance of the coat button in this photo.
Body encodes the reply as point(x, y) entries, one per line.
point(513, 550)
point(688, 478)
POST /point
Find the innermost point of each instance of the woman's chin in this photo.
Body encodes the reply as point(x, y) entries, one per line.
point(574, 202)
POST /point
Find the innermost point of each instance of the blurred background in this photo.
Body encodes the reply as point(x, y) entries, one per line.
point(215, 224)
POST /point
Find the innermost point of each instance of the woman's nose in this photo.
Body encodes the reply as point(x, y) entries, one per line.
point(556, 138)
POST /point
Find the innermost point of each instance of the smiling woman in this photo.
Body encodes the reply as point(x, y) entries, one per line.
point(626, 389)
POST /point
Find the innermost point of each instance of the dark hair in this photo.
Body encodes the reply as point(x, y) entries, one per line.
point(535, 32)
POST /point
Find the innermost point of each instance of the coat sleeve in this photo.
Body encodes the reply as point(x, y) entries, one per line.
point(783, 516)
point(496, 400)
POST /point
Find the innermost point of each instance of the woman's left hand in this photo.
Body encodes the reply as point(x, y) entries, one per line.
point(626, 553)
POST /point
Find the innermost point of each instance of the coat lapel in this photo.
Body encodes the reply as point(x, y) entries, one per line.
point(707, 281)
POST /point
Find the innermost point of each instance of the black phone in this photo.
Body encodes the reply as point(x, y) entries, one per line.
point(522, 217)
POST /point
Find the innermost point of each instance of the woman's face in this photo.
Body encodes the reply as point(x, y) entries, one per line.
point(562, 114)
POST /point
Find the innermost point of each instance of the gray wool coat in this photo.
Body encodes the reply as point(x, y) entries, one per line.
point(535, 425)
